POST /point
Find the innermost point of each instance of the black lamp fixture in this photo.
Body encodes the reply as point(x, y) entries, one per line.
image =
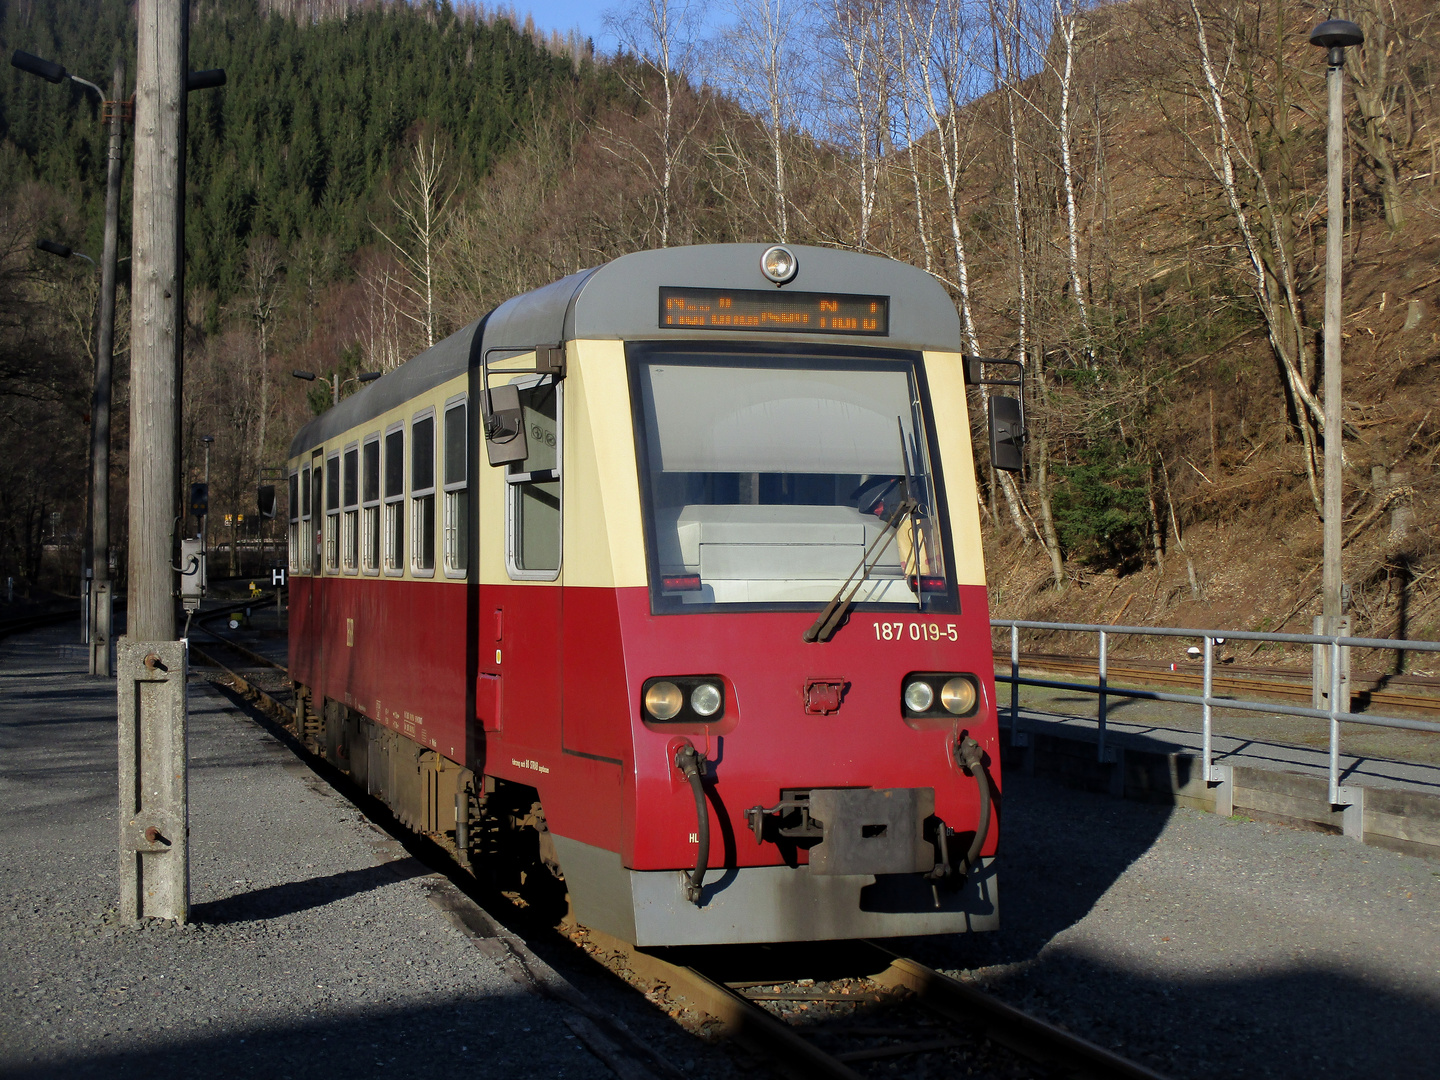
point(1337, 35)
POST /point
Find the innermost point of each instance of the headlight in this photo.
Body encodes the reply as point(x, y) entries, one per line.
point(663, 700)
point(779, 264)
point(683, 699)
point(705, 699)
point(938, 695)
point(919, 696)
point(958, 695)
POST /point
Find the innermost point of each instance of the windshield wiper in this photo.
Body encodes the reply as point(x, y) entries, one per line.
point(829, 620)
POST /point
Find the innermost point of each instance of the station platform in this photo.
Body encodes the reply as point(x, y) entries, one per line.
point(1388, 803)
point(317, 946)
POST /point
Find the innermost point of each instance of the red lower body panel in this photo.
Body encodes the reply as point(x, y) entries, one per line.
point(559, 673)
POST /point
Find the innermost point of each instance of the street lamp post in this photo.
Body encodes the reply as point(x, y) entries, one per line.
point(99, 610)
point(1335, 36)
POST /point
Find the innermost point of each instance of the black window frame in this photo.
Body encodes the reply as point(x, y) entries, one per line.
point(745, 354)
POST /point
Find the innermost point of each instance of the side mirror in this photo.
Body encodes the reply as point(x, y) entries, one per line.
point(267, 500)
point(1007, 433)
point(505, 426)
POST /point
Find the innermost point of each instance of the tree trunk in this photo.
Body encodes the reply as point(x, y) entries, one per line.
point(1047, 517)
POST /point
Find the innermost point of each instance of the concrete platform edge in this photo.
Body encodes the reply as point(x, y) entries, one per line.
point(1407, 822)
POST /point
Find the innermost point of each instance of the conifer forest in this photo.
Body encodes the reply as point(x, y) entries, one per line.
point(1127, 196)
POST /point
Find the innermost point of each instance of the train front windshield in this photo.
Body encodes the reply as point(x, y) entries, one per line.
point(772, 479)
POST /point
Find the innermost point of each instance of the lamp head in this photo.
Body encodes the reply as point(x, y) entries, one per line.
point(46, 69)
point(1335, 36)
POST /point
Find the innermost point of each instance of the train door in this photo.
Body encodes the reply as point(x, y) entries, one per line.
point(316, 567)
point(523, 669)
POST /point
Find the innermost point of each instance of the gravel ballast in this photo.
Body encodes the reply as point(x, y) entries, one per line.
point(306, 956)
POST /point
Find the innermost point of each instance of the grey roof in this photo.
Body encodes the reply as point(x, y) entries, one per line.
point(621, 300)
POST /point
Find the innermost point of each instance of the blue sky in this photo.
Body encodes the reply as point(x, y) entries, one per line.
point(563, 15)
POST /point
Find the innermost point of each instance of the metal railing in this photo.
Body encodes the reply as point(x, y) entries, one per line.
point(1336, 646)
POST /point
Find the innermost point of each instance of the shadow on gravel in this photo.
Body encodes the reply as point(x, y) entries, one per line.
point(277, 901)
point(514, 1035)
point(1308, 1020)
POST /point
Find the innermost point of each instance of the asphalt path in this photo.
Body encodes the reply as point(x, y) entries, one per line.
point(1208, 946)
point(314, 950)
point(1203, 946)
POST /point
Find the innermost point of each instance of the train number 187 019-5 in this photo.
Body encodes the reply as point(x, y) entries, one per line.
point(916, 631)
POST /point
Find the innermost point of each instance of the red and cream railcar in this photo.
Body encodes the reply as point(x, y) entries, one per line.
point(674, 567)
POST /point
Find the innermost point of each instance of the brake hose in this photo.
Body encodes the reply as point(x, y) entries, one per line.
point(690, 763)
point(971, 757)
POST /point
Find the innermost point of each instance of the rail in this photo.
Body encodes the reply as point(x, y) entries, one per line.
point(739, 1012)
point(1335, 650)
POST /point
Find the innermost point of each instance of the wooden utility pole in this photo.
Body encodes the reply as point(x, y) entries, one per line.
point(154, 815)
point(100, 404)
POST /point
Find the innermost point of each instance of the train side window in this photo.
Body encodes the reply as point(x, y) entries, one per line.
point(395, 500)
point(350, 535)
point(294, 522)
point(457, 496)
point(532, 504)
point(315, 534)
point(370, 504)
point(332, 512)
point(422, 493)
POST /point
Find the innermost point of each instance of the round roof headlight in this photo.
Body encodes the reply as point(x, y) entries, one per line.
point(706, 699)
point(919, 696)
point(958, 696)
point(779, 264)
point(663, 700)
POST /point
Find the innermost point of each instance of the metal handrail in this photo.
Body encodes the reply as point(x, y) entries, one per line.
point(1337, 644)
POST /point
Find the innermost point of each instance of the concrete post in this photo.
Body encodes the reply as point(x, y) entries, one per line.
point(154, 795)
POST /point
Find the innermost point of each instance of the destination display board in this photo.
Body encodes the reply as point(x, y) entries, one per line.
point(757, 310)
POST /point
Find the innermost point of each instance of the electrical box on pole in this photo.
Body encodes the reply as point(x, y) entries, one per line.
point(192, 573)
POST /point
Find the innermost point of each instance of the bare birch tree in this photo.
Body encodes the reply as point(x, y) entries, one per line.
point(423, 205)
point(660, 34)
point(1066, 25)
point(862, 39)
point(939, 77)
point(1268, 243)
point(263, 277)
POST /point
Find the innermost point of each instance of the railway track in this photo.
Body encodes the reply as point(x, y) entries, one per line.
point(1373, 692)
point(884, 1010)
point(877, 1010)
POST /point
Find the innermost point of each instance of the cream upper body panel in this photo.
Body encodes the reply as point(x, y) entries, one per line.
point(431, 402)
point(949, 402)
point(604, 544)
